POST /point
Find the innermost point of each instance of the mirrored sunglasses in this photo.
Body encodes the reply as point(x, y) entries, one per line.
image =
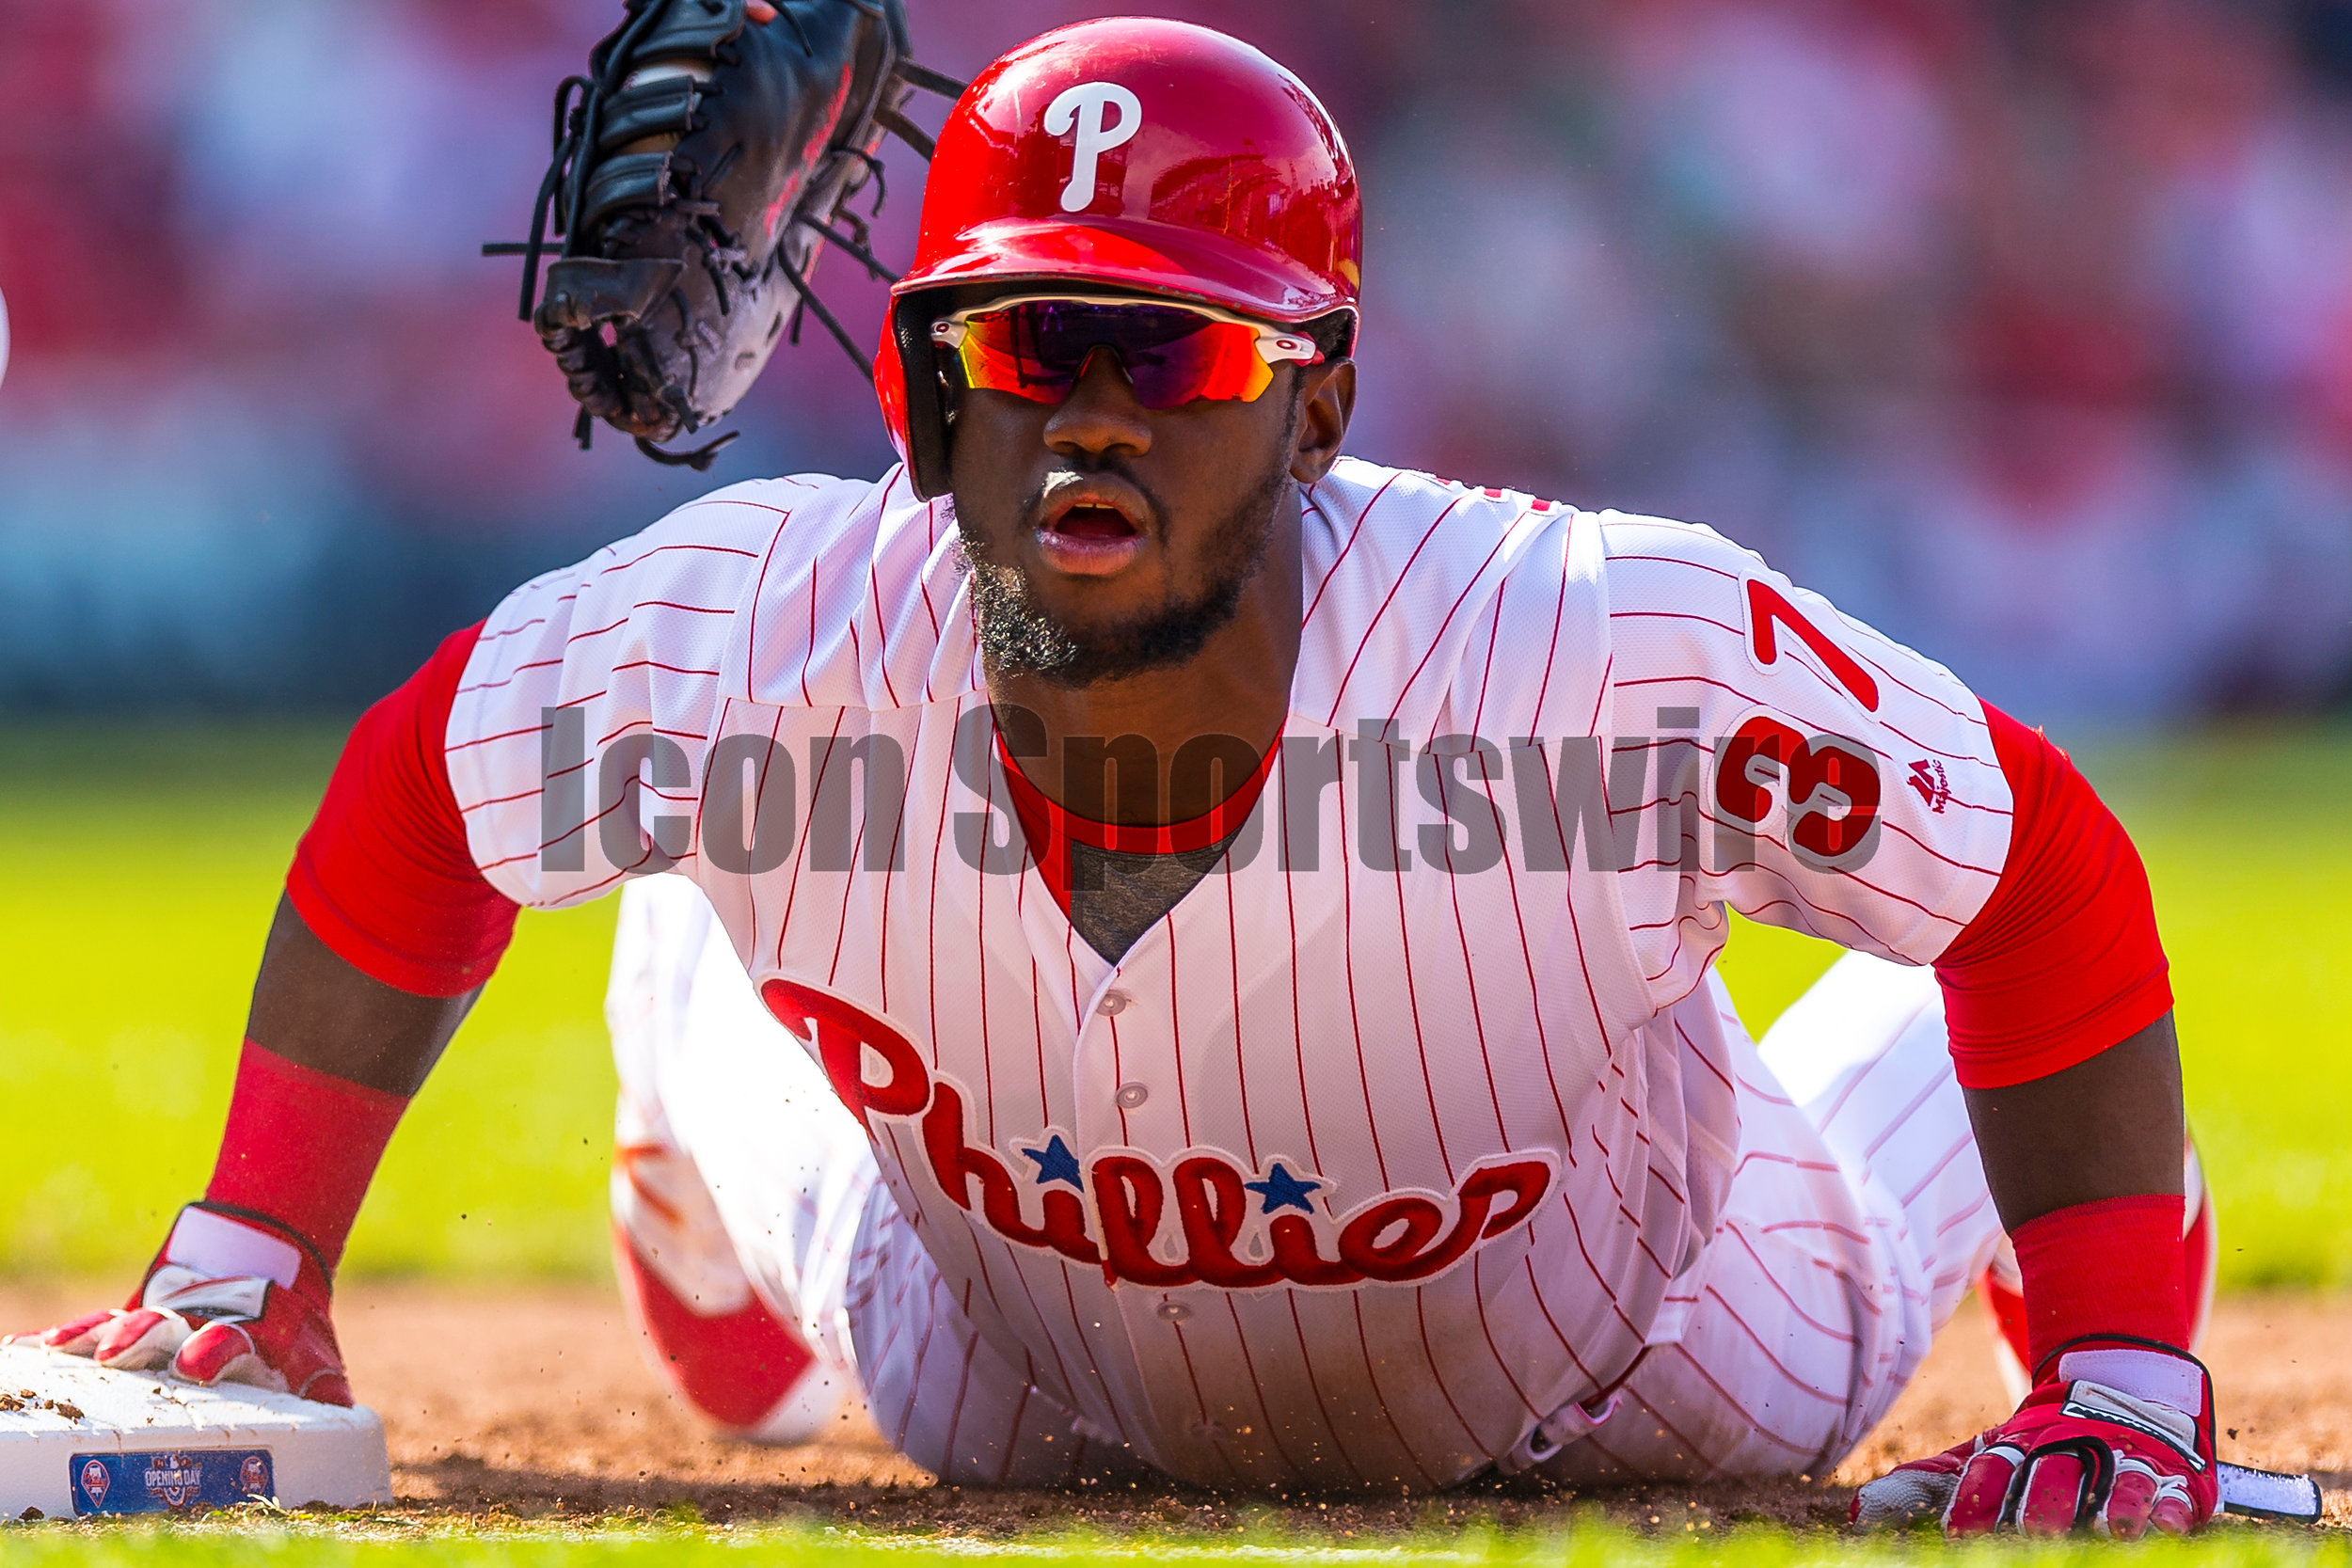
point(1036, 346)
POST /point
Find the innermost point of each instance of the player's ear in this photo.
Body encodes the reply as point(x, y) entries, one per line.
point(1326, 397)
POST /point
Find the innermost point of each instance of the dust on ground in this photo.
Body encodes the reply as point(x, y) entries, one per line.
point(531, 1402)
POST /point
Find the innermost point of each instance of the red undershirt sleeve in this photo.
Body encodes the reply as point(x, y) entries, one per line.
point(384, 876)
point(2063, 960)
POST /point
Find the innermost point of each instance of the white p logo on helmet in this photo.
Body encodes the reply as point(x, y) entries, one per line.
point(1083, 107)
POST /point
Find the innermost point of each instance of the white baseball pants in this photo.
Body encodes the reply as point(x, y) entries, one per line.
point(1777, 1353)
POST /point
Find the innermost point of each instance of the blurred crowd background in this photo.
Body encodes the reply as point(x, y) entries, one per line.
point(2023, 329)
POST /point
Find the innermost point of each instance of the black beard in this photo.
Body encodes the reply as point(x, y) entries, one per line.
point(1019, 637)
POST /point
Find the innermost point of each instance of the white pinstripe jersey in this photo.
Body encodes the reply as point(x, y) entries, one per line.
point(1343, 1174)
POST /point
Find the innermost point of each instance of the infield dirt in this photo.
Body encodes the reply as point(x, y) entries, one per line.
point(534, 1402)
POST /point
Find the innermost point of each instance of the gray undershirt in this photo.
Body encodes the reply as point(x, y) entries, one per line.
point(1116, 896)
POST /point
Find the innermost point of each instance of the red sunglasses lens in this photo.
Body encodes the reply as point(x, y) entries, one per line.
point(1038, 351)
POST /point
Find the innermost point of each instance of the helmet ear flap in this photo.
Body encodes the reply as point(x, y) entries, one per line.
point(925, 442)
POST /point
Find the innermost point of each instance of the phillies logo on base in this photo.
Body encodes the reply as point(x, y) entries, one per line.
point(1234, 1228)
point(1083, 109)
point(96, 1479)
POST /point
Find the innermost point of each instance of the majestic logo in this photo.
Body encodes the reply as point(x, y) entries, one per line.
point(1233, 1228)
point(174, 1479)
point(1926, 776)
point(95, 1480)
point(1083, 108)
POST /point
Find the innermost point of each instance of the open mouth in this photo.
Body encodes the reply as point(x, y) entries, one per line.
point(1092, 523)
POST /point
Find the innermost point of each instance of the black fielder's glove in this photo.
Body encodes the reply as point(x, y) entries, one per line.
point(710, 151)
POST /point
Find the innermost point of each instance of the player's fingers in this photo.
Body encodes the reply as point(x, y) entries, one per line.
point(2051, 1501)
point(2131, 1502)
point(1908, 1494)
point(225, 1353)
point(1983, 1487)
point(2174, 1512)
point(759, 10)
point(75, 1338)
point(140, 1341)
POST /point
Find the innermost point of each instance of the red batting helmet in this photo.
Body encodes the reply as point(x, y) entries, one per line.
point(1133, 152)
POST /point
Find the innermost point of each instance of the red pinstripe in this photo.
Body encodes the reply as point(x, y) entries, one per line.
point(1765, 1350)
point(1674, 615)
point(1086, 1344)
point(759, 595)
point(1469, 971)
point(964, 1382)
point(1355, 1020)
point(1192, 1374)
point(1705, 1061)
point(1740, 1233)
point(792, 889)
point(1551, 655)
point(1439, 636)
point(1257, 1388)
point(1576, 1229)
point(1372, 1376)
point(1340, 560)
point(1486, 1331)
point(1412, 1003)
point(1676, 561)
point(979, 940)
point(502, 734)
point(1886, 823)
point(1536, 1289)
point(1175, 1030)
point(1943, 1163)
point(1298, 1037)
point(1819, 728)
point(1924, 1094)
point(519, 795)
point(1053, 1340)
point(1339, 694)
point(664, 549)
point(1429, 1355)
point(1012, 1439)
point(1314, 1386)
point(1241, 1057)
point(882, 631)
point(508, 679)
point(930, 923)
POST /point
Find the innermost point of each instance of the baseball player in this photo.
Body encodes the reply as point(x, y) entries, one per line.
point(1183, 951)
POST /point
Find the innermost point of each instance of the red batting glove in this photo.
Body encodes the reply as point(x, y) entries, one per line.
point(233, 1297)
point(2116, 1440)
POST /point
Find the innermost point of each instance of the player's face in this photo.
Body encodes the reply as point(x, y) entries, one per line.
point(1107, 538)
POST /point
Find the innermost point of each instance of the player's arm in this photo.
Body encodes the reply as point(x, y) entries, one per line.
point(434, 831)
point(1861, 793)
point(379, 946)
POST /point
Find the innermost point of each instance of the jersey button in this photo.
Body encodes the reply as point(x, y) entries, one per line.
point(1130, 1096)
point(1172, 1311)
point(1113, 1004)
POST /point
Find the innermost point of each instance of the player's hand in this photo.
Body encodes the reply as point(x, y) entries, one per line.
point(231, 1298)
point(2117, 1440)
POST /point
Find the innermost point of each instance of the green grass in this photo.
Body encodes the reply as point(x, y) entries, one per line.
point(143, 868)
point(144, 864)
point(365, 1545)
